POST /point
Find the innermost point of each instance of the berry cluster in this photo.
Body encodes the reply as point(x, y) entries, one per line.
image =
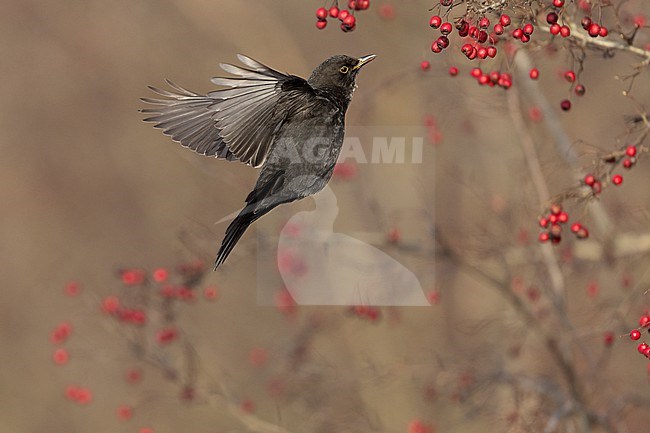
point(145, 306)
point(552, 224)
point(484, 37)
point(635, 335)
point(555, 28)
point(493, 78)
point(79, 394)
point(482, 45)
point(627, 158)
point(594, 29)
point(366, 312)
point(345, 16)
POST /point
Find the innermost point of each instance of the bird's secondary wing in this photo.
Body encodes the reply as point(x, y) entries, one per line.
point(238, 122)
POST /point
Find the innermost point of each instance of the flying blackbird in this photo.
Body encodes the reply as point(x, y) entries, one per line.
point(290, 127)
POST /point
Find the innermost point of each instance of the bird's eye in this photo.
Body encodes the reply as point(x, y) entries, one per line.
point(344, 69)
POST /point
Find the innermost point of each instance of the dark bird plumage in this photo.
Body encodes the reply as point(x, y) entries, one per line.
point(290, 127)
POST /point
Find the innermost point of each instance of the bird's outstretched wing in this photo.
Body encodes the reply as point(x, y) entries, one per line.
point(238, 122)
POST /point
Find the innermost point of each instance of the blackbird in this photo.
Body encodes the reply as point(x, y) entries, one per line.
point(290, 127)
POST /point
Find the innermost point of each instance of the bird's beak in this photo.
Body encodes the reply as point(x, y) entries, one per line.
point(363, 60)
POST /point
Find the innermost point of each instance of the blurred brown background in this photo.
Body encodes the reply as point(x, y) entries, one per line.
point(87, 188)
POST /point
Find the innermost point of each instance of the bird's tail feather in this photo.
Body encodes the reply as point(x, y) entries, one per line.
point(254, 209)
point(234, 232)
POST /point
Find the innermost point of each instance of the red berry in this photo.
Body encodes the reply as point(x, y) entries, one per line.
point(166, 335)
point(491, 52)
point(635, 334)
point(435, 47)
point(528, 29)
point(555, 231)
point(565, 105)
point(446, 2)
point(517, 33)
point(594, 30)
point(628, 163)
point(642, 347)
point(597, 187)
point(484, 23)
point(504, 20)
point(525, 38)
point(608, 338)
point(453, 71)
point(111, 304)
point(435, 21)
point(463, 28)
point(476, 72)
point(498, 29)
point(159, 275)
point(590, 179)
point(445, 28)
point(343, 14)
point(582, 233)
point(644, 320)
point(563, 217)
point(443, 41)
point(72, 289)
point(555, 209)
point(60, 356)
point(603, 32)
point(544, 237)
point(350, 21)
point(555, 29)
point(481, 53)
point(558, 3)
point(534, 73)
point(565, 31)
point(585, 23)
point(84, 396)
point(551, 18)
point(617, 179)
point(133, 375)
point(334, 12)
point(210, 293)
point(580, 90)
point(124, 412)
point(630, 150)
point(575, 227)
point(570, 76)
point(321, 13)
point(543, 222)
point(132, 277)
point(321, 24)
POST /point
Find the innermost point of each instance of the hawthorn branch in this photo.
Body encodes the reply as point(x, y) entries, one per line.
point(581, 39)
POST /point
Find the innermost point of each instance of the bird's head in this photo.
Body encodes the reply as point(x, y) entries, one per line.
point(338, 74)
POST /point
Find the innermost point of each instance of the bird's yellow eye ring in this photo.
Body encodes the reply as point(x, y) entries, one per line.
point(344, 69)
